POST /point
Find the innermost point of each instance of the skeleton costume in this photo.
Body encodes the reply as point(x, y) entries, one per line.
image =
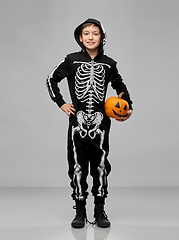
point(88, 133)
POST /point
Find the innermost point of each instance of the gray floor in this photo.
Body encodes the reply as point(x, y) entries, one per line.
point(46, 213)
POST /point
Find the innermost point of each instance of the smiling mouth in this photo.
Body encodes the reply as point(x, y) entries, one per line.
point(91, 43)
point(118, 115)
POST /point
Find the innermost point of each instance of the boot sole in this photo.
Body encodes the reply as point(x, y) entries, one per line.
point(104, 226)
point(77, 226)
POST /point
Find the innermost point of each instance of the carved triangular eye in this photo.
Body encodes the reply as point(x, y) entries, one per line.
point(125, 108)
point(117, 105)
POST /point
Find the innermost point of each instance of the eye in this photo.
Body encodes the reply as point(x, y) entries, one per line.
point(125, 108)
point(117, 105)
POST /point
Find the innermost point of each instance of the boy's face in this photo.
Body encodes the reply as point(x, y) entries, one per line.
point(91, 37)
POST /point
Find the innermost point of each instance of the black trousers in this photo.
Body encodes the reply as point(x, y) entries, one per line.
point(88, 153)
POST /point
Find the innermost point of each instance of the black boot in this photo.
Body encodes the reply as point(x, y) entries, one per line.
point(100, 216)
point(80, 217)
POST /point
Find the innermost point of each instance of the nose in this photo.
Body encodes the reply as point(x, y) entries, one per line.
point(90, 36)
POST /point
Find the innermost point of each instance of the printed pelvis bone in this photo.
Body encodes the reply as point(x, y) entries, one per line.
point(88, 120)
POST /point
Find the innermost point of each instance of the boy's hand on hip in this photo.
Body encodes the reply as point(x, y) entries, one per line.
point(122, 119)
point(68, 108)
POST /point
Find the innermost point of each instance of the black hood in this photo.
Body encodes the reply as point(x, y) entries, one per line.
point(96, 22)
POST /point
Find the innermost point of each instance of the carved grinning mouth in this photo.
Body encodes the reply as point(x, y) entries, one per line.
point(118, 115)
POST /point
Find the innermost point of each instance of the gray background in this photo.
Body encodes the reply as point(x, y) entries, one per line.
point(142, 36)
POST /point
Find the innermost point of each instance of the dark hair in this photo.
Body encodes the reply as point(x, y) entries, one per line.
point(88, 25)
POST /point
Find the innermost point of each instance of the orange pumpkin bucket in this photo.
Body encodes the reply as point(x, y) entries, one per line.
point(116, 107)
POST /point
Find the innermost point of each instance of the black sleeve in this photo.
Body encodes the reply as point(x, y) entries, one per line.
point(56, 76)
point(118, 84)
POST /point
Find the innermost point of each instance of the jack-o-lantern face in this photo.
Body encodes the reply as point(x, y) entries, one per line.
point(115, 107)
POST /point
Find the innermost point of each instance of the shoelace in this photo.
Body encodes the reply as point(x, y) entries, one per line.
point(100, 212)
point(80, 213)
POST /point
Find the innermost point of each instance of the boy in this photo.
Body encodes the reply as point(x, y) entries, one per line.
point(88, 73)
